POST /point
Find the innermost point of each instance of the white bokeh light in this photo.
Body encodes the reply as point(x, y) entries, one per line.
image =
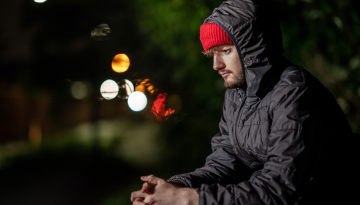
point(126, 88)
point(137, 101)
point(39, 1)
point(109, 89)
point(129, 86)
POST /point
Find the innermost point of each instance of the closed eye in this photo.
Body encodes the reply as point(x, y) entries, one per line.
point(226, 50)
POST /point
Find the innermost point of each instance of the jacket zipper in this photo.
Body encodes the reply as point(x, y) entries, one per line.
point(236, 122)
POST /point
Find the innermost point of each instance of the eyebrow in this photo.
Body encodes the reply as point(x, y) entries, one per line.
point(210, 52)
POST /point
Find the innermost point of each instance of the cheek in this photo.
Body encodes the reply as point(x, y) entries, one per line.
point(237, 69)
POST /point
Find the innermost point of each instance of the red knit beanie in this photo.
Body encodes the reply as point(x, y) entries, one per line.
point(213, 35)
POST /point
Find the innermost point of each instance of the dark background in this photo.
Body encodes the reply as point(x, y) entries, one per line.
point(55, 149)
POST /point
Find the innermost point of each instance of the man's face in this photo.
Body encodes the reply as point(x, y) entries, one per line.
point(226, 62)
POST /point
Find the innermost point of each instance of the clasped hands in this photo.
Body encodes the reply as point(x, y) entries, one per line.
point(157, 191)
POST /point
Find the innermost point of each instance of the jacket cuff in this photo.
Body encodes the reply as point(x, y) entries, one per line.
point(180, 179)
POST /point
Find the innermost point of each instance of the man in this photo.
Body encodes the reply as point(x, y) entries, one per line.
point(282, 137)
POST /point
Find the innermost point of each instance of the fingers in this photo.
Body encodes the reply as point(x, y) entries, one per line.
point(138, 201)
point(144, 196)
point(149, 199)
point(147, 188)
point(152, 179)
point(137, 194)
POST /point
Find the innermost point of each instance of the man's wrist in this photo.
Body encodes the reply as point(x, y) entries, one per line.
point(191, 196)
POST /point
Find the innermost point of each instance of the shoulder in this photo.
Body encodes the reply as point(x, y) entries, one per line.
point(295, 84)
point(293, 76)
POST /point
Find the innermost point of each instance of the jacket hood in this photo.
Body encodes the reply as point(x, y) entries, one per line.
point(256, 34)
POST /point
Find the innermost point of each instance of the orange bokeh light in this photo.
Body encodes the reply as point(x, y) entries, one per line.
point(145, 85)
point(120, 63)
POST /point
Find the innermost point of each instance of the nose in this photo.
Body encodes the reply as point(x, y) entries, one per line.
point(218, 63)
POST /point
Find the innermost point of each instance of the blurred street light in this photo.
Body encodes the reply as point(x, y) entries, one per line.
point(137, 101)
point(126, 88)
point(120, 63)
point(159, 109)
point(79, 90)
point(109, 89)
point(39, 1)
point(144, 86)
point(101, 32)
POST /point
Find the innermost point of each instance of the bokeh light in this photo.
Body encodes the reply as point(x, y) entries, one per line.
point(137, 101)
point(144, 86)
point(159, 109)
point(101, 32)
point(126, 88)
point(109, 89)
point(79, 90)
point(120, 63)
point(39, 1)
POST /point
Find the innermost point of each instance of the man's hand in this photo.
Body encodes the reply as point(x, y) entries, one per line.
point(137, 197)
point(157, 191)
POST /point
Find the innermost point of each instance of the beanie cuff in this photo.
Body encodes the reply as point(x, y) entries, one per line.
point(212, 35)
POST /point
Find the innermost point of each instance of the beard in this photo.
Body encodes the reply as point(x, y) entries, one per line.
point(234, 81)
